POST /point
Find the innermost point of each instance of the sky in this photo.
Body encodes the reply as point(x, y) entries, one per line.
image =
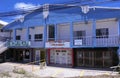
point(11, 5)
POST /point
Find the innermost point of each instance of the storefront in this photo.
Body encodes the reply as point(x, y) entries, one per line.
point(22, 55)
point(60, 53)
point(61, 57)
point(96, 57)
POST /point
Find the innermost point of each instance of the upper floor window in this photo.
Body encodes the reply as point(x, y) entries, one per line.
point(51, 31)
point(102, 33)
point(38, 37)
point(18, 37)
point(29, 37)
point(79, 34)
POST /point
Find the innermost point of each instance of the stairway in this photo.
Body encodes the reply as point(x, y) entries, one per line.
point(3, 46)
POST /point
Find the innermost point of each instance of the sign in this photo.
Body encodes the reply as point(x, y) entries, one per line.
point(78, 42)
point(18, 43)
point(57, 44)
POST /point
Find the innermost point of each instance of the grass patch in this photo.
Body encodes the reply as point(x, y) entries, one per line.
point(5, 74)
point(19, 70)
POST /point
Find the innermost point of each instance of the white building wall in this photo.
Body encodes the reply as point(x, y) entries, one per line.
point(112, 25)
point(81, 26)
point(63, 32)
point(36, 30)
point(5, 34)
point(22, 33)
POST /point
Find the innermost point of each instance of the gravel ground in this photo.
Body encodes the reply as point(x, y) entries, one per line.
point(34, 71)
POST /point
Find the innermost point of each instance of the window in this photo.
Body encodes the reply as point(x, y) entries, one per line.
point(79, 34)
point(51, 31)
point(29, 37)
point(38, 37)
point(18, 37)
point(102, 33)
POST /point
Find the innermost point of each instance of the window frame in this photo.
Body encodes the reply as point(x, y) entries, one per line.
point(18, 37)
point(102, 33)
point(38, 37)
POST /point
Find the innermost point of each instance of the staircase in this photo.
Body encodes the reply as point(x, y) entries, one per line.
point(3, 46)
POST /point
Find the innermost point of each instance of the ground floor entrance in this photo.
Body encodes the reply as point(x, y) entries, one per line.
point(102, 57)
point(25, 55)
point(63, 57)
point(39, 55)
point(22, 55)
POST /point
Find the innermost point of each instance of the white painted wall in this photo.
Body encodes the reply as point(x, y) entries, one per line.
point(22, 33)
point(36, 30)
point(63, 32)
point(80, 26)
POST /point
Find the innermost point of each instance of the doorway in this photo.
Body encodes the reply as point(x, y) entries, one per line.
point(94, 58)
point(39, 56)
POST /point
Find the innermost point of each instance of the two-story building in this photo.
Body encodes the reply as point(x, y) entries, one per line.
point(68, 35)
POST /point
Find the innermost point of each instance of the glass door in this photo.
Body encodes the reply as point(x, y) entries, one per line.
point(37, 56)
point(80, 58)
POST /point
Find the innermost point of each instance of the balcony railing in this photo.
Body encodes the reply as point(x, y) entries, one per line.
point(109, 41)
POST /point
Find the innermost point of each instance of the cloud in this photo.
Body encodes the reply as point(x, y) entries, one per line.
point(25, 6)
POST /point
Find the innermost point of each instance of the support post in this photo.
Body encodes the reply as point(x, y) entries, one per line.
point(14, 34)
point(71, 34)
point(55, 32)
point(45, 31)
point(27, 33)
point(94, 32)
point(118, 52)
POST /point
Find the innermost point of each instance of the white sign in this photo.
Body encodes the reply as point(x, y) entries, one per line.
point(78, 42)
point(57, 45)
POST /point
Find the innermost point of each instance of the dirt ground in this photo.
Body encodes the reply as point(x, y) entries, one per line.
point(9, 70)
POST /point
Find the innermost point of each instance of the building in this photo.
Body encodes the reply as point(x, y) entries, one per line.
point(4, 35)
point(68, 35)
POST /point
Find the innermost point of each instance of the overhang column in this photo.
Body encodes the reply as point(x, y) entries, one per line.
point(94, 32)
point(27, 34)
point(45, 32)
point(118, 52)
point(71, 34)
point(55, 32)
point(14, 34)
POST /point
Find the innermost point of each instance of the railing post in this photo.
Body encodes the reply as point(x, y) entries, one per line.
point(14, 34)
point(71, 34)
point(94, 32)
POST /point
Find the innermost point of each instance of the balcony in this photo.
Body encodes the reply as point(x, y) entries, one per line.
point(89, 41)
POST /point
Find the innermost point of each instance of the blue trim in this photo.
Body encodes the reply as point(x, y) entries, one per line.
point(45, 31)
point(71, 34)
point(55, 32)
point(118, 52)
point(27, 33)
point(94, 32)
point(14, 34)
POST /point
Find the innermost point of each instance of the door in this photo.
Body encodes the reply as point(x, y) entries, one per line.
point(37, 56)
point(57, 57)
point(26, 55)
point(42, 55)
point(80, 59)
point(63, 57)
